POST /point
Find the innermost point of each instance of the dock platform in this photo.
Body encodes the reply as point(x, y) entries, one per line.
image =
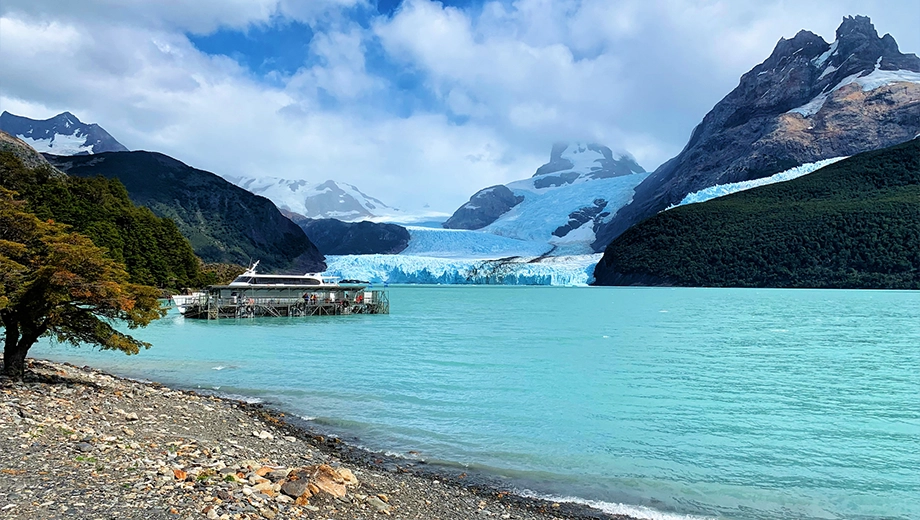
point(224, 301)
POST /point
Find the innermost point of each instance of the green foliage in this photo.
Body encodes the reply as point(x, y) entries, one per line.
point(220, 274)
point(854, 224)
point(152, 248)
point(56, 282)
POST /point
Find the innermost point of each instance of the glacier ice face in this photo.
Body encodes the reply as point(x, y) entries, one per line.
point(409, 269)
point(722, 190)
point(454, 256)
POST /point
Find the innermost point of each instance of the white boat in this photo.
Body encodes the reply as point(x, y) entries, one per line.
point(251, 278)
point(182, 301)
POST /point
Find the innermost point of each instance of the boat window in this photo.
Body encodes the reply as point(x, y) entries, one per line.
point(242, 279)
point(284, 281)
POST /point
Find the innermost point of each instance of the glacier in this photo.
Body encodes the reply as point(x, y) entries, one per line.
point(722, 190)
point(519, 248)
point(545, 209)
point(456, 256)
point(410, 269)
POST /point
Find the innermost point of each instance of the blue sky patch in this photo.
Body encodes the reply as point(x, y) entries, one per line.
point(282, 47)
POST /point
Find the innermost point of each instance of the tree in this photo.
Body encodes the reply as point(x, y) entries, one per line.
point(54, 282)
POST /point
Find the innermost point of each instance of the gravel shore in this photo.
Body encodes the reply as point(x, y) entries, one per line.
point(77, 443)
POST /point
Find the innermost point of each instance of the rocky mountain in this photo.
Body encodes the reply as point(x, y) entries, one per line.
point(810, 100)
point(329, 199)
point(562, 204)
point(25, 153)
point(484, 208)
point(223, 222)
point(853, 224)
point(63, 134)
point(335, 237)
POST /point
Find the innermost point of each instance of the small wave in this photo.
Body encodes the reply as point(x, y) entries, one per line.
point(662, 310)
point(219, 367)
point(307, 417)
point(248, 399)
point(645, 513)
point(605, 337)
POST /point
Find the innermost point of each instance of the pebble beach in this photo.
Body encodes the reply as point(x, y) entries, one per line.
point(79, 443)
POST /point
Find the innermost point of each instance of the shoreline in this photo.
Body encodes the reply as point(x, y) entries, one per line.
point(104, 441)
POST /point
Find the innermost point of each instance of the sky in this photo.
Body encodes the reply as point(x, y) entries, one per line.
point(413, 101)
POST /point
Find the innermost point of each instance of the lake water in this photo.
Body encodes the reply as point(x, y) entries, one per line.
point(656, 402)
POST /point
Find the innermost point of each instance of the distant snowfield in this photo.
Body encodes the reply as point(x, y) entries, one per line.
point(561, 270)
point(60, 144)
point(460, 243)
point(722, 190)
point(544, 210)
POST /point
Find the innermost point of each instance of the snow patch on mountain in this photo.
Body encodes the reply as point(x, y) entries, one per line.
point(876, 79)
point(61, 144)
point(722, 190)
point(822, 59)
point(564, 271)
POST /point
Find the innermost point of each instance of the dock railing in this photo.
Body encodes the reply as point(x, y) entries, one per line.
point(251, 302)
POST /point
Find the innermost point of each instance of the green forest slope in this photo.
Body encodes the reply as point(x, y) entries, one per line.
point(152, 248)
point(224, 223)
point(854, 224)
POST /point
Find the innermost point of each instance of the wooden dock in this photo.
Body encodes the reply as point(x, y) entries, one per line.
point(224, 301)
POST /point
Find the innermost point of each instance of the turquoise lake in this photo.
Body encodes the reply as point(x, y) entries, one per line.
point(655, 402)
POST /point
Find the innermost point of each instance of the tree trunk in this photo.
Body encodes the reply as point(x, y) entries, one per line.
point(14, 361)
point(14, 355)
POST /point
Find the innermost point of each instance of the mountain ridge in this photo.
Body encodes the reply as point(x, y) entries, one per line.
point(808, 101)
point(329, 199)
point(63, 134)
point(223, 222)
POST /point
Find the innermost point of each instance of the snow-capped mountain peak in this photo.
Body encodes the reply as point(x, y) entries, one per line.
point(586, 161)
point(330, 199)
point(63, 134)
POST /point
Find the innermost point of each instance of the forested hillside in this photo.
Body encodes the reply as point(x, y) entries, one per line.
point(854, 224)
point(152, 248)
point(223, 222)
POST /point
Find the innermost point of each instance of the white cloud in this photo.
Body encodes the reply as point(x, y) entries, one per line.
point(512, 78)
point(341, 72)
